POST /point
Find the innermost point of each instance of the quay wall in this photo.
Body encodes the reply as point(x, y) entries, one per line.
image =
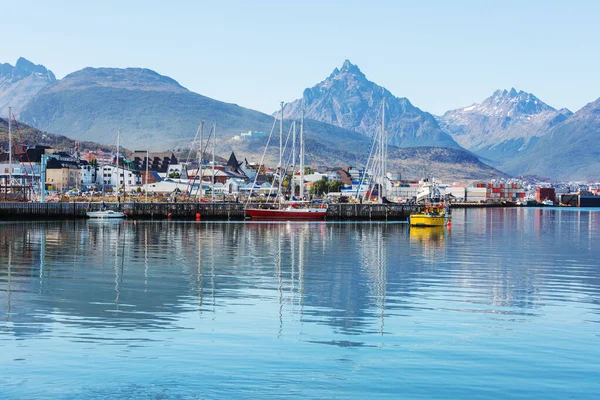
point(187, 211)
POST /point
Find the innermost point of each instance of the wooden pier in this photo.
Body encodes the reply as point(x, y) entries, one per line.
point(187, 211)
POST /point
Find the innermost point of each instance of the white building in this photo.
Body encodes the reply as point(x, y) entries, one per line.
point(107, 175)
point(88, 175)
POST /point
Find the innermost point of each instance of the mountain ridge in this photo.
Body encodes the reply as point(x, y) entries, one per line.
point(154, 111)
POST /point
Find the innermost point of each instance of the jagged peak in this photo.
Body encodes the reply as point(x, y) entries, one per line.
point(23, 68)
point(347, 68)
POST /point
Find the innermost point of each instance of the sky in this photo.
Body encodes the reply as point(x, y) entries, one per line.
point(441, 55)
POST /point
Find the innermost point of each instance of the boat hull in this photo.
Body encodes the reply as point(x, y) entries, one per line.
point(427, 220)
point(105, 214)
point(316, 214)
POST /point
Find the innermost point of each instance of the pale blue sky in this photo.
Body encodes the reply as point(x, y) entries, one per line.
point(439, 54)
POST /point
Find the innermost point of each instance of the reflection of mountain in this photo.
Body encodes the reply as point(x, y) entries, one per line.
point(351, 277)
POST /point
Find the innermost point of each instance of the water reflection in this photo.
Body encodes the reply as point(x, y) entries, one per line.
point(349, 277)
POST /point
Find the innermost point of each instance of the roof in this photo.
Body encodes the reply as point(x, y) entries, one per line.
point(233, 162)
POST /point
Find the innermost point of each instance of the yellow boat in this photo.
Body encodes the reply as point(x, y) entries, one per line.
point(431, 216)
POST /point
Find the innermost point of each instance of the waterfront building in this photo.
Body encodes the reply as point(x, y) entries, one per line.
point(62, 175)
point(111, 176)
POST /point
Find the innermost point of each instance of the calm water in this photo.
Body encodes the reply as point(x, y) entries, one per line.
point(504, 304)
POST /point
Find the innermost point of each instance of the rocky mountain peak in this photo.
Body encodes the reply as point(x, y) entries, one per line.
point(21, 83)
point(348, 70)
point(347, 99)
point(509, 103)
point(23, 69)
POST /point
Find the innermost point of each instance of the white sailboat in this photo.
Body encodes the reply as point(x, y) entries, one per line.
point(110, 214)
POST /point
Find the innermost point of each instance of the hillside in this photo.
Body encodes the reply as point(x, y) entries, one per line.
point(570, 150)
point(349, 100)
point(151, 110)
point(26, 135)
point(448, 164)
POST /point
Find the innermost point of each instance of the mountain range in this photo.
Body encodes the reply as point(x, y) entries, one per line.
point(511, 130)
point(519, 134)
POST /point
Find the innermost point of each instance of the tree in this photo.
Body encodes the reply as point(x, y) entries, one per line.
point(319, 187)
point(335, 186)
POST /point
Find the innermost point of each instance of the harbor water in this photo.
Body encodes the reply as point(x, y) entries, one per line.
point(504, 303)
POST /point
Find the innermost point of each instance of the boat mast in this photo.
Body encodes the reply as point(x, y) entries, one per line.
point(382, 152)
point(147, 162)
point(293, 178)
point(10, 166)
point(212, 188)
point(301, 194)
point(118, 186)
point(280, 168)
point(201, 159)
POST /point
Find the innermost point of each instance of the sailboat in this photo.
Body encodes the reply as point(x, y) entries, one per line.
point(103, 213)
point(295, 210)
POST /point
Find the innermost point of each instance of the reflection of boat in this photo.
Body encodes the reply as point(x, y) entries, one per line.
point(427, 234)
point(430, 216)
point(105, 214)
point(288, 213)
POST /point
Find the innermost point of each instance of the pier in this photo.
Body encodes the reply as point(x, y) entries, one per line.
point(223, 211)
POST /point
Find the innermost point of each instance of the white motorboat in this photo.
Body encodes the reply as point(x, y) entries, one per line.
point(106, 214)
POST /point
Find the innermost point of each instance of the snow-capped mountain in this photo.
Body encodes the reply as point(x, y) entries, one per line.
point(504, 125)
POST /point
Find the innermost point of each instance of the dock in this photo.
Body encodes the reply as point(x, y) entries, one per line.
point(223, 211)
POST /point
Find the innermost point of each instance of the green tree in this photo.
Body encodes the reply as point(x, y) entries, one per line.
point(319, 187)
point(335, 186)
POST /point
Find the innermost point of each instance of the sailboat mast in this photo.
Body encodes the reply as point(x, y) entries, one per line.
point(383, 152)
point(10, 166)
point(280, 150)
point(212, 188)
point(301, 194)
point(201, 158)
point(118, 186)
point(147, 162)
point(293, 179)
